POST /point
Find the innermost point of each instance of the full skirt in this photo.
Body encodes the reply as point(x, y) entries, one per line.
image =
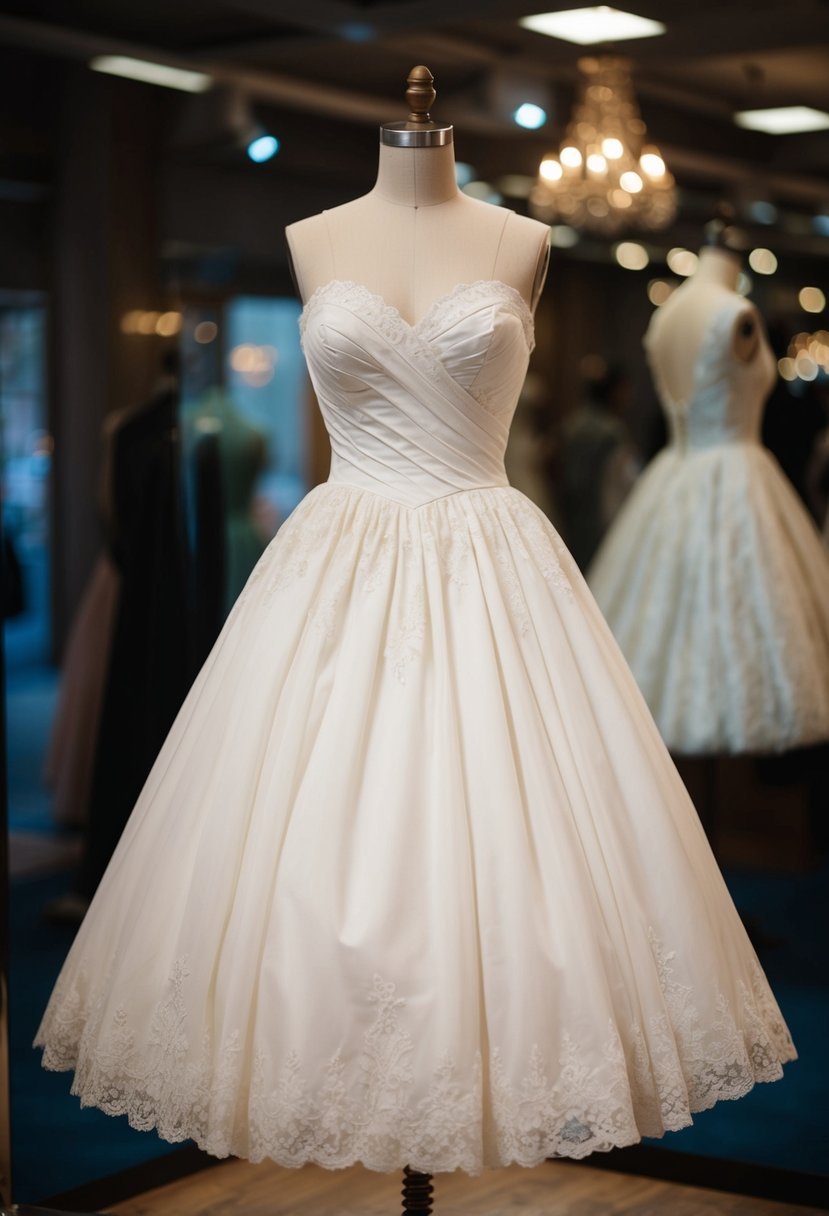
point(413, 880)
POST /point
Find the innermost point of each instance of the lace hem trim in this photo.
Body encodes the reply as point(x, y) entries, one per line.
point(369, 1108)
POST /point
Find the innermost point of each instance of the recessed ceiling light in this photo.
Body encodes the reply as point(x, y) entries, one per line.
point(589, 25)
point(152, 73)
point(784, 120)
point(529, 115)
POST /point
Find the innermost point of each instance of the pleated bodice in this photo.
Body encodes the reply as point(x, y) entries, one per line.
point(417, 412)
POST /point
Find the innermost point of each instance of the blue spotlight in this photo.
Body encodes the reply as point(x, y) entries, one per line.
point(530, 115)
point(263, 148)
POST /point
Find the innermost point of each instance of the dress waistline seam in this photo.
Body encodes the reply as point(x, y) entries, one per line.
point(348, 485)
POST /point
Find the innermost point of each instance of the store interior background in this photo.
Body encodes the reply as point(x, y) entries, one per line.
point(133, 223)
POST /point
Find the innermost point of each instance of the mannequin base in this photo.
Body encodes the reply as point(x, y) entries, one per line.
point(417, 1192)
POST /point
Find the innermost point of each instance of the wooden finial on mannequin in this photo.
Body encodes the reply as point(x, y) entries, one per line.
point(418, 130)
point(420, 95)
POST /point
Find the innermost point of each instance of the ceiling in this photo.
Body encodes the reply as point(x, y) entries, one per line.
point(328, 67)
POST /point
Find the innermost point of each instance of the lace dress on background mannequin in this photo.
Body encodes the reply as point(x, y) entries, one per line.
point(713, 577)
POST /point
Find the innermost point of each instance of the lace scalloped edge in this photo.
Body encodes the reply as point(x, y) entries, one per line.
point(130, 1105)
point(583, 1101)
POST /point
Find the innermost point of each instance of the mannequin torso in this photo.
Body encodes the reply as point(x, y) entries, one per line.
point(679, 328)
point(415, 236)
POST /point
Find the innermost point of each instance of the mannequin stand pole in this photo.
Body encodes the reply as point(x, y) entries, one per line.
point(417, 1192)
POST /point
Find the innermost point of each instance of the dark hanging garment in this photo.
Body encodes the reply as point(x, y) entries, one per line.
point(150, 666)
point(227, 454)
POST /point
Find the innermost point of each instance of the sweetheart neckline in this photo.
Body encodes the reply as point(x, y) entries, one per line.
point(417, 326)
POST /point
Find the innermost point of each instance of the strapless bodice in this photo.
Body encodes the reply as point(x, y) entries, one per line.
point(726, 401)
point(417, 411)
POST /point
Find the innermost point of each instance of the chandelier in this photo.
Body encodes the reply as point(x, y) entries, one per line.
point(605, 176)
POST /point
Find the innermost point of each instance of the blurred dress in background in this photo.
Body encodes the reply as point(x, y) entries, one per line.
point(714, 579)
point(70, 754)
point(70, 757)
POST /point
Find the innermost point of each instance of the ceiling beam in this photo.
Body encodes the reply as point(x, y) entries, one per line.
point(310, 96)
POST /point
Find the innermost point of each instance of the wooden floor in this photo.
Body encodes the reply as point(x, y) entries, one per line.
point(553, 1189)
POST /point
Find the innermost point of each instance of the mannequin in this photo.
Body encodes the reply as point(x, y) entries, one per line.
point(415, 235)
point(677, 330)
point(412, 239)
point(338, 928)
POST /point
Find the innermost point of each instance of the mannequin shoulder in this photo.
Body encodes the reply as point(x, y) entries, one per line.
point(522, 227)
point(305, 232)
point(307, 224)
point(514, 229)
point(524, 254)
point(309, 253)
point(312, 227)
point(311, 241)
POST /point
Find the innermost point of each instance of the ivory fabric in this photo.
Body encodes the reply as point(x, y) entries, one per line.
point(414, 880)
point(713, 577)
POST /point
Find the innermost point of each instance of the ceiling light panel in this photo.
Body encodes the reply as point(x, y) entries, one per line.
point(784, 120)
point(152, 73)
point(586, 26)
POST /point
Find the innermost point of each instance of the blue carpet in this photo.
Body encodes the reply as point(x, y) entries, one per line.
point(56, 1145)
point(784, 1124)
point(30, 705)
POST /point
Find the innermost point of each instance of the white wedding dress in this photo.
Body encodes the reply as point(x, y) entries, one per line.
point(713, 577)
point(414, 879)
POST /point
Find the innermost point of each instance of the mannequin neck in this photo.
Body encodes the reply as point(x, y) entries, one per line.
point(718, 266)
point(416, 177)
